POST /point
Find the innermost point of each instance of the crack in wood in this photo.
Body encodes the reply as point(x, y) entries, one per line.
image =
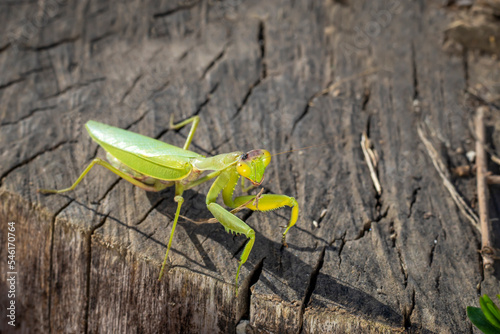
point(261, 39)
point(12, 82)
point(431, 254)
point(30, 159)
point(408, 310)
point(413, 200)
point(127, 92)
point(246, 97)
point(55, 44)
point(302, 115)
point(212, 63)
point(88, 269)
point(29, 115)
point(101, 37)
point(154, 206)
point(416, 93)
point(75, 86)
point(51, 260)
point(5, 47)
point(245, 292)
point(176, 9)
point(402, 266)
point(310, 288)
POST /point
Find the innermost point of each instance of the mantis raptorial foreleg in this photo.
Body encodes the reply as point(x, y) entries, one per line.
point(230, 222)
point(156, 187)
point(269, 202)
point(263, 203)
point(195, 120)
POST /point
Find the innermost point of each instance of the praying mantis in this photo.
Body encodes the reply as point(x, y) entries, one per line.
point(154, 165)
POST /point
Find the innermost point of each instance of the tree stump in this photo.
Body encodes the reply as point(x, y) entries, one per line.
point(279, 75)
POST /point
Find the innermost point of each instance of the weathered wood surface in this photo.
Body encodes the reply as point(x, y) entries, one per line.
point(88, 261)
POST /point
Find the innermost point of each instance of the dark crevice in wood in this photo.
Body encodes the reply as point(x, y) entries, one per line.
point(465, 65)
point(75, 86)
point(128, 91)
point(88, 271)
point(378, 207)
point(10, 83)
point(431, 254)
point(408, 310)
point(55, 44)
point(136, 121)
point(366, 228)
point(310, 288)
point(35, 70)
point(111, 187)
point(261, 39)
point(402, 266)
point(101, 37)
point(341, 247)
point(30, 159)
point(30, 114)
point(213, 62)
point(154, 206)
point(175, 10)
point(245, 292)
point(215, 149)
point(245, 99)
point(413, 200)
point(207, 99)
point(5, 47)
point(366, 99)
point(438, 281)
point(302, 115)
point(51, 260)
point(414, 72)
point(184, 55)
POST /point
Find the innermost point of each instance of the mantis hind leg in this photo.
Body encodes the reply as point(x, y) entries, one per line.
point(156, 187)
point(195, 120)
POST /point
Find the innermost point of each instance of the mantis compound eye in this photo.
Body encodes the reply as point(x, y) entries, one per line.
point(243, 169)
point(266, 159)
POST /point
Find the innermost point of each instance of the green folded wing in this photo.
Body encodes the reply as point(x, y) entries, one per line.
point(145, 155)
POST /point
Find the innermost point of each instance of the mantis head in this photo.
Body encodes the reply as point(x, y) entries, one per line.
point(252, 165)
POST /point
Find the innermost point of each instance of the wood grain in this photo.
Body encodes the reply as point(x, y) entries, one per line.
point(257, 73)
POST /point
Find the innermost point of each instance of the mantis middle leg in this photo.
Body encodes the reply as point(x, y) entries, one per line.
point(179, 199)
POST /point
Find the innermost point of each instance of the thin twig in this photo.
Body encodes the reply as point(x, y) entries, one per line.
point(442, 171)
point(487, 251)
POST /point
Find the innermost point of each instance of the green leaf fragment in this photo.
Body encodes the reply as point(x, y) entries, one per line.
point(477, 317)
point(490, 311)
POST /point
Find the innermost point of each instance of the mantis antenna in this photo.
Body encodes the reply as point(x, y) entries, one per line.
point(300, 149)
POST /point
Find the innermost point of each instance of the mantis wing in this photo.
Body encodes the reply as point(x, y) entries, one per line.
point(145, 155)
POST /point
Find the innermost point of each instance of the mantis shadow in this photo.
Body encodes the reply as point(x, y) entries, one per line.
point(278, 261)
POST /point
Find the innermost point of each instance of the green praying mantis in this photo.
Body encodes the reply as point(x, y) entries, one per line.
point(154, 165)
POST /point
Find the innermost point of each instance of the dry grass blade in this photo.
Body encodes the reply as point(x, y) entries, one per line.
point(371, 158)
point(443, 173)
